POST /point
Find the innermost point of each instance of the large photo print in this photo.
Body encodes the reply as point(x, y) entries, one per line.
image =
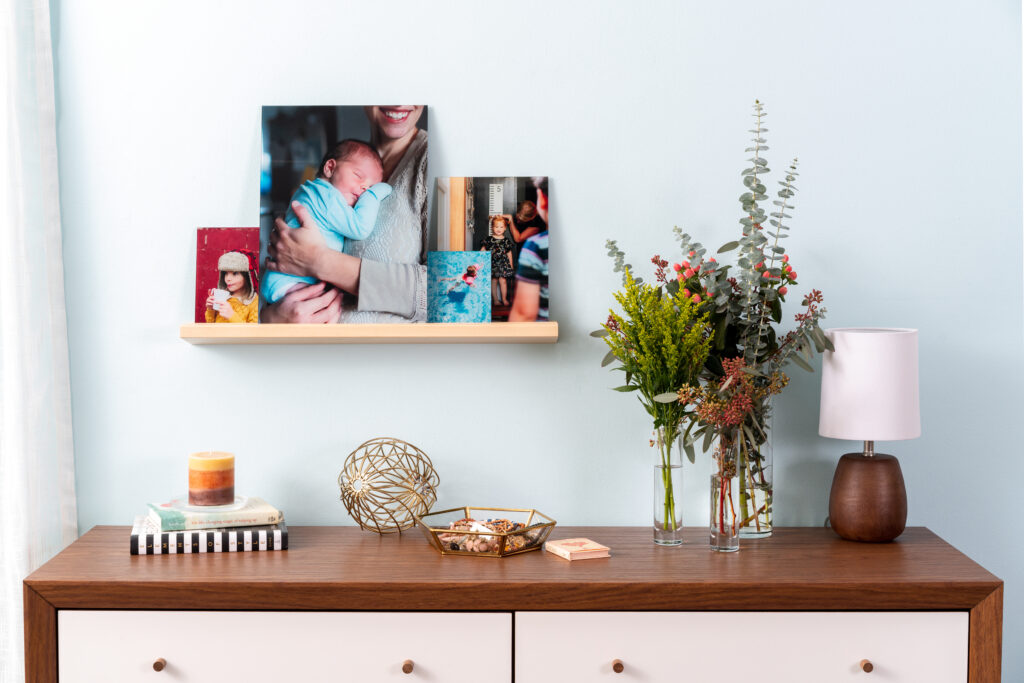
point(343, 214)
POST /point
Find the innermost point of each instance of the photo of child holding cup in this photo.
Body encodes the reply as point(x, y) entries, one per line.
point(235, 299)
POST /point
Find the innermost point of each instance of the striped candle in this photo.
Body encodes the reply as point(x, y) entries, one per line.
point(211, 478)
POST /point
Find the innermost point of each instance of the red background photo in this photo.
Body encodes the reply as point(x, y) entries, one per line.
point(210, 244)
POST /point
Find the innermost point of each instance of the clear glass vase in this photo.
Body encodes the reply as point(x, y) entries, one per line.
point(725, 484)
point(668, 487)
point(754, 460)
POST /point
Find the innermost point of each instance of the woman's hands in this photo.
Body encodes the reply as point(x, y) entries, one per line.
point(296, 251)
point(304, 252)
point(210, 301)
point(315, 304)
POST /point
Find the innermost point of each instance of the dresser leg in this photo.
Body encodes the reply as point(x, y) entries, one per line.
point(40, 638)
point(985, 640)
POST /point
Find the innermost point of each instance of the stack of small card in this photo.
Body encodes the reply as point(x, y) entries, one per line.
point(577, 549)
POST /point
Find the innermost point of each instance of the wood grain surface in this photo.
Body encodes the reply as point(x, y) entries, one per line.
point(343, 568)
point(544, 332)
point(40, 638)
point(985, 652)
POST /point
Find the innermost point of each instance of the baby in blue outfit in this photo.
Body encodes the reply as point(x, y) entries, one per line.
point(343, 200)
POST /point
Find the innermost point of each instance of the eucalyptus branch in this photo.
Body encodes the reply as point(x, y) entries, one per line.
point(808, 325)
point(750, 228)
point(785, 193)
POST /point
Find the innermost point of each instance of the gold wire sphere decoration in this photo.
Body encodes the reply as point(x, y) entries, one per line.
point(384, 482)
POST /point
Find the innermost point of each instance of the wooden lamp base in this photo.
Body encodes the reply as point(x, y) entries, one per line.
point(868, 501)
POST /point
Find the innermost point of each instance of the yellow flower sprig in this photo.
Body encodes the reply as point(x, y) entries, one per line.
point(661, 340)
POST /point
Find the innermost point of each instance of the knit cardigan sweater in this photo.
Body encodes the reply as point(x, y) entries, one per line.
point(393, 277)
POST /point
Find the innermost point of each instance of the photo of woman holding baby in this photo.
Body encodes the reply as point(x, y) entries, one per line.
point(384, 271)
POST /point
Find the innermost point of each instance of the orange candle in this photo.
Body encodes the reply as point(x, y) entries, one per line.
point(211, 478)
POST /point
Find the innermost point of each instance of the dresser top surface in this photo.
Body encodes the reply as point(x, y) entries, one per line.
point(346, 568)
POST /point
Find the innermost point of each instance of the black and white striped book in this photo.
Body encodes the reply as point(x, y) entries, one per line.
point(147, 539)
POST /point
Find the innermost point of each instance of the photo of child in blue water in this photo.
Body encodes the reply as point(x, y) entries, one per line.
point(458, 287)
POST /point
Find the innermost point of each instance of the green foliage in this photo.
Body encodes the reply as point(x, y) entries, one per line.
point(661, 341)
point(620, 266)
point(745, 300)
point(720, 316)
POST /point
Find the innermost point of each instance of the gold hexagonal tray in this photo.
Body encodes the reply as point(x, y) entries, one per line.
point(486, 532)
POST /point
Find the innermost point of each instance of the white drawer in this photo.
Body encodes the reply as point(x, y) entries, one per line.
point(272, 647)
point(741, 647)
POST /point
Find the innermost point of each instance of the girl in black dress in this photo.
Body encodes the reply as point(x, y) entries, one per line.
point(501, 247)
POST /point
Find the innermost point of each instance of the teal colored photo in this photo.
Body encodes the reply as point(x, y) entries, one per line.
point(458, 287)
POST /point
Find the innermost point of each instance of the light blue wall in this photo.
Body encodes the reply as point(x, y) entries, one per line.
point(906, 117)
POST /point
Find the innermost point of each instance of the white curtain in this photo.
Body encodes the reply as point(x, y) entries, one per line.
point(38, 513)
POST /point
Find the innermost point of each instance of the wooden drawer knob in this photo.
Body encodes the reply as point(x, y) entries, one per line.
point(407, 666)
point(159, 664)
point(617, 666)
point(866, 666)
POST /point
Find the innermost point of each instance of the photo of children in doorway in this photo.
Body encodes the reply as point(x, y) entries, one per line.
point(502, 216)
point(458, 287)
point(227, 275)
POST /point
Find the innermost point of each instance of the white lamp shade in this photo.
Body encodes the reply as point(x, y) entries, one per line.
point(869, 389)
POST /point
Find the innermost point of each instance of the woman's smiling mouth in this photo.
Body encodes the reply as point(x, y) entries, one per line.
point(396, 115)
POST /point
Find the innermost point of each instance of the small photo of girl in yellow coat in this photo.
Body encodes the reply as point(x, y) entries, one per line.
point(235, 300)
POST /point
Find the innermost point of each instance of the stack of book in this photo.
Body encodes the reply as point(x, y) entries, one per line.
point(175, 527)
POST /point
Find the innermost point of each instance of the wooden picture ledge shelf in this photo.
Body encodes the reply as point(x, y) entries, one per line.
point(419, 333)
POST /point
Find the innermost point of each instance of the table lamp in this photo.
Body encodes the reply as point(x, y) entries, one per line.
point(869, 392)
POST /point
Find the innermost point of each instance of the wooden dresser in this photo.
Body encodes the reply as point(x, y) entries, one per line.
point(347, 605)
